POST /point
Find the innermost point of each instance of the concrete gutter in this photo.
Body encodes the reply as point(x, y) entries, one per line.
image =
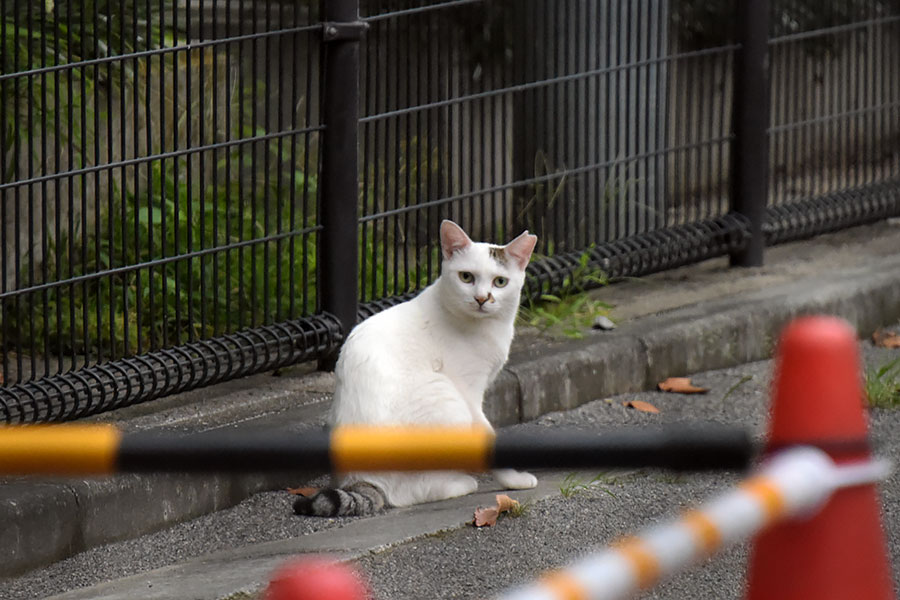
point(45, 520)
point(242, 569)
point(691, 319)
point(708, 335)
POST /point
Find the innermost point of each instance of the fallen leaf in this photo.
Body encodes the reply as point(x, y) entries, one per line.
point(486, 517)
point(306, 492)
point(886, 339)
point(505, 503)
point(681, 385)
point(641, 406)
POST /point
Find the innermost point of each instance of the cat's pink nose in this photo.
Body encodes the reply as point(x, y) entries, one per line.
point(481, 300)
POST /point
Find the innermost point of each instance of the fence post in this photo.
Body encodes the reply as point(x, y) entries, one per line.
point(338, 248)
point(750, 152)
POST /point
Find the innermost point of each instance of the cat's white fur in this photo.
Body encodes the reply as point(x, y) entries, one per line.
point(429, 361)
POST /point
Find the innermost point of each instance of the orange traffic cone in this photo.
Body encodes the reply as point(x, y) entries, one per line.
point(316, 578)
point(840, 552)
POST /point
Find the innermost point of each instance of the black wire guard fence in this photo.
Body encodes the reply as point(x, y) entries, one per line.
point(196, 191)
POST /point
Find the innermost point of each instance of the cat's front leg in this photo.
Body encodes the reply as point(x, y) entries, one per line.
point(515, 480)
point(508, 478)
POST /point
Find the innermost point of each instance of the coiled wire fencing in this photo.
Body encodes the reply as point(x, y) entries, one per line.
point(195, 191)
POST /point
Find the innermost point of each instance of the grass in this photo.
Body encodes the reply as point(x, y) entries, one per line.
point(441, 534)
point(731, 390)
point(572, 311)
point(519, 509)
point(882, 385)
point(569, 316)
point(670, 478)
point(573, 484)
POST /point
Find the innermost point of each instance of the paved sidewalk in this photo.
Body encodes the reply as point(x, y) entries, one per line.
point(687, 320)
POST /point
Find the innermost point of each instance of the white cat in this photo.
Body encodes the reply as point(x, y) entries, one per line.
point(429, 361)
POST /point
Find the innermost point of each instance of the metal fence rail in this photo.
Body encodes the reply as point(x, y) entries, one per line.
point(175, 176)
point(102, 387)
point(158, 198)
point(834, 138)
point(551, 116)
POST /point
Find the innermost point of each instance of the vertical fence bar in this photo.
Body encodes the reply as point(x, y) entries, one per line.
point(750, 154)
point(338, 248)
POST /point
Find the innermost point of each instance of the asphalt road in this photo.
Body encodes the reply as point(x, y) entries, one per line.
point(476, 563)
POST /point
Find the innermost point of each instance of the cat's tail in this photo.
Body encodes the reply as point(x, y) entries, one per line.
point(360, 499)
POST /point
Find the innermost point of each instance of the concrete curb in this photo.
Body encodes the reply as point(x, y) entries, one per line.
point(710, 335)
point(45, 521)
point(50, 519)
point(246, 569)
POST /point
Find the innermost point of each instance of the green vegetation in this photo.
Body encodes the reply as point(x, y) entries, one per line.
point(42, 33)
point(574, 484)
point(883, 385)
point(741, 382)
point(168, 250)
point(570, 316)
point(249, 284)
point(441, 534)
point(519, 509)
point(392, 261)
point(147, 213)
point(572, 311)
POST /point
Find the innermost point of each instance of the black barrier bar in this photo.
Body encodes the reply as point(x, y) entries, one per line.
point(96, 449)
point(232, 450)
point(680, 448)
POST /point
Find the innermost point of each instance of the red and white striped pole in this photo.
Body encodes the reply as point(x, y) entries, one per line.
point(794, 483)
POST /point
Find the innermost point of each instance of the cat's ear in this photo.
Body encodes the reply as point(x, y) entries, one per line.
point(453, 238)
point(520, 249)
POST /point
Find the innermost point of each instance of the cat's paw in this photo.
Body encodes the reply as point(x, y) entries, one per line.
point(461, 485)
point(515, 480)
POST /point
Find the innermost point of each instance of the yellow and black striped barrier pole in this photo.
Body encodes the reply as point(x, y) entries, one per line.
point(104, 449)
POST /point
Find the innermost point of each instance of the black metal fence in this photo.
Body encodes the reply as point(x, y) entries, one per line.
point(194, 191)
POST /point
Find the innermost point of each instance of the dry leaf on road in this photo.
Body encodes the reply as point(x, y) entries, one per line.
point(641, 406)
point(681, 385)
point(886, 339)
point(306, 492)
point(505, 503)
point(487, 517)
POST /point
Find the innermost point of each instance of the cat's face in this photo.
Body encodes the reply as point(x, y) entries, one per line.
point(482, 280)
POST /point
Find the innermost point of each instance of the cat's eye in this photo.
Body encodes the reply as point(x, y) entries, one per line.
point(466, 277)
point(500, 282)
